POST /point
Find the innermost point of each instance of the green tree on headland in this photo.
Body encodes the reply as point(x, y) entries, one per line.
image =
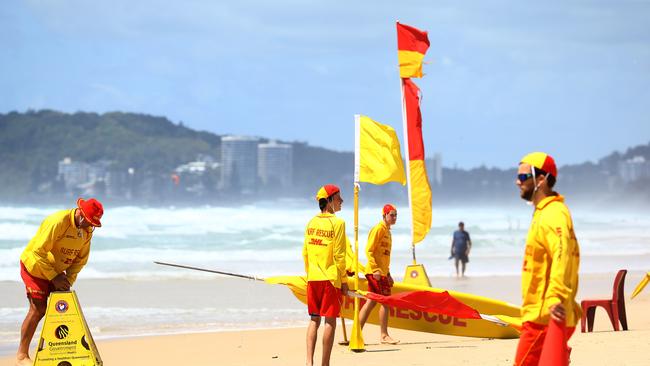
point(32, 144)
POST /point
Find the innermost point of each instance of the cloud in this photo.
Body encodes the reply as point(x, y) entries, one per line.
point(494, 64)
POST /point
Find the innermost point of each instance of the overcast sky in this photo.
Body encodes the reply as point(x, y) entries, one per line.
point(504, 77)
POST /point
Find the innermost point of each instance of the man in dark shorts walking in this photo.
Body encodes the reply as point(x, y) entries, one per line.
point(324, 252)
point(461, 245)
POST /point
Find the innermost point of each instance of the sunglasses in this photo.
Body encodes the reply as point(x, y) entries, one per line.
point(524, 177)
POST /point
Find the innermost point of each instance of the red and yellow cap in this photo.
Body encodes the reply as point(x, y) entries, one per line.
point(327, 191)
point(92, 210)
point(387, 209)
point(541, 161)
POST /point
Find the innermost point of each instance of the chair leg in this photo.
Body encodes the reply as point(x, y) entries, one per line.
point(583, 320)
point(621, 315)
point(590, 318)
point(613, 315)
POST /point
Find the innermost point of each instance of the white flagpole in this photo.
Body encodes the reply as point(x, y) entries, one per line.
point(357, 147)
point(407, 163)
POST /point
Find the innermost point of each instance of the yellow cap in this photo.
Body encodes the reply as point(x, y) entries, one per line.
point(541, 161)
point(327, 191)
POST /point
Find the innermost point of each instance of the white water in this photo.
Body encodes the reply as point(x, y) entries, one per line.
point(264, 240)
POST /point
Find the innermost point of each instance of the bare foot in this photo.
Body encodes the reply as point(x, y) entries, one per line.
point(389, 340)
point(23, 360)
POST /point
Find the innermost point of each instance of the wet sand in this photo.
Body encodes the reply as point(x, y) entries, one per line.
point(286, 346)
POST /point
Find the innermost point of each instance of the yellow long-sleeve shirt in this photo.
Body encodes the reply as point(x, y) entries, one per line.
point(378, 249)
point(57, 247)
point(551, 263)
point(324, 249)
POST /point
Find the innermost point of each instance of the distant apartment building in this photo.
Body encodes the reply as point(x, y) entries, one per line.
point(275, 164)
point(434, 169)
point(84, 178)
point(239, 164)
point(195, 177)
point(634, 169)
point(202, 164)
point(72, 173)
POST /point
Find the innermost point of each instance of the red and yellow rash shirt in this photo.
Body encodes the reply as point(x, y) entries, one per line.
point(57, 246)
point(551, 263)
point(378, 249)
point(324, 249)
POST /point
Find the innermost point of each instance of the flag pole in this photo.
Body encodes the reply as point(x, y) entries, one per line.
point(356, 338)
point(408, 165)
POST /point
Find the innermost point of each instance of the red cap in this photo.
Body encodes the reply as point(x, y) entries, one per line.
point(91, 210)
point(327, 191)
point(387, 209)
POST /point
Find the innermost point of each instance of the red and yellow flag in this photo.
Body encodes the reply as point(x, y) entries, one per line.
point(412, 44)
point(419, 189)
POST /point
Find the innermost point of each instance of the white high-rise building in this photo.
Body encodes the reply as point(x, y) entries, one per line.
point(275, 164)
point(634, 169)
point(239, 163)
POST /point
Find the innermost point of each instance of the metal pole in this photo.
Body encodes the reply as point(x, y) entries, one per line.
point(356, 338)
point(211, 271)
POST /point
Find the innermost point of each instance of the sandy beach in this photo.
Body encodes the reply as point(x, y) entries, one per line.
point(285, 346)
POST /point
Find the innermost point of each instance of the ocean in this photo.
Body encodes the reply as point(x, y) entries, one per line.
point(265, 239)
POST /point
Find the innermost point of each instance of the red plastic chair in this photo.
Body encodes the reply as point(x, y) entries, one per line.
point(615, 307)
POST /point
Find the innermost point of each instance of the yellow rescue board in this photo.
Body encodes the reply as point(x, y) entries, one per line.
point(425, 322)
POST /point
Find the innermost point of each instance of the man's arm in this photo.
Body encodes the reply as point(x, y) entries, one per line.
point(374, 237)
point(349, 257)
point(305, 256)
point(451, 250)
point(339, 256)
point(42, 244)
point(339, 251)
point(561, 248)
point(79, 262)
point(469, 245)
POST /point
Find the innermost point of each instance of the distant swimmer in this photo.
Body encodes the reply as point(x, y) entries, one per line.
point(378, 251)
point(461, 245)
point(549, 280)
point(324, 252)
point(52, 260)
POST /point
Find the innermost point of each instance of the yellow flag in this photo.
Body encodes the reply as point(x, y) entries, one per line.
point(377, 155)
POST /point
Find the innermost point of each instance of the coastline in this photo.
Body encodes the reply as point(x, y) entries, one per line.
point(281, 340)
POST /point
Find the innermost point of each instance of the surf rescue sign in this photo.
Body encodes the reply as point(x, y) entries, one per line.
point(65, 338)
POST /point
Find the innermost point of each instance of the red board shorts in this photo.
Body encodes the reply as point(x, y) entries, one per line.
point(37, 288)
point(381, 287)
point(531, 342)
point(323, 299)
